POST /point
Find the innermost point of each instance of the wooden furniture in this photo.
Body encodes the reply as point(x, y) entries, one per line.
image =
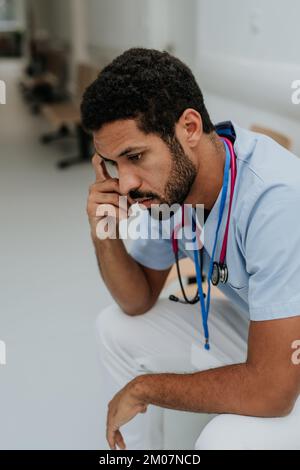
point(282, 139)
point(46, 79)
point(54, 73)
point(66, 115)
point(187, 270)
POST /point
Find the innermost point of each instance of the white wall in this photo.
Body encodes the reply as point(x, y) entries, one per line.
point(41, 12)
point(260, 29)
point(172, 26)
point(12, 16)
point(53, 17)
point(183, 29)
point(245, 55)
point(61, 20)
point(116, 25)
point(247, 59)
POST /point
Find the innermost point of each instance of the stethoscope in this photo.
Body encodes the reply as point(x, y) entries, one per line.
point(218, 271)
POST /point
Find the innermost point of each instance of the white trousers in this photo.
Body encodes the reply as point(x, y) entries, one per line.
point(168, 338)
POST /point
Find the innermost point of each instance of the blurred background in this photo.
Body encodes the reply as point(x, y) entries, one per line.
point(245, 56)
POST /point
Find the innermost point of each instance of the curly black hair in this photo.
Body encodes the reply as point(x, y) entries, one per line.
point(150, 86)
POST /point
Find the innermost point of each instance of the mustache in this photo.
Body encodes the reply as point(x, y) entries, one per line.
point(138, 195)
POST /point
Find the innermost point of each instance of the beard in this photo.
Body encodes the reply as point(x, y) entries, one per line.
point(182, 176)
point(180, 181)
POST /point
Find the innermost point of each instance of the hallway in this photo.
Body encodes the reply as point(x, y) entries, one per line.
point(51, 386)
point(50, 289)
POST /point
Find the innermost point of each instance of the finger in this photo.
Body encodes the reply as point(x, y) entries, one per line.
point(109, 210)
point(106, 198)
point(110, 205)
point(144, 409)
point(99, 168)
point(110, 437)
point(111, 185)
point(119, 440)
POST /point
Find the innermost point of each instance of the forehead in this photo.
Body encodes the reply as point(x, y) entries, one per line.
point(114, 137)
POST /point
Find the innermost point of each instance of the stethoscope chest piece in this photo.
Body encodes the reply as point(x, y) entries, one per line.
point(223, 273)
point(219, 274)
point(215, 278)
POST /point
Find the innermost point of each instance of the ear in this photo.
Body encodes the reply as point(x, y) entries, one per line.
point(189, 127)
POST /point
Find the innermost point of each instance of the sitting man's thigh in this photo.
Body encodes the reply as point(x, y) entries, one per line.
point(235, 432)
point(160, 340)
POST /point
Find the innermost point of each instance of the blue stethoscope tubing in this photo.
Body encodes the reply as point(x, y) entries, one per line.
point(205, 302)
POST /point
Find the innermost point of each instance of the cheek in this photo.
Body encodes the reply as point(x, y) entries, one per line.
point(156, 180)
point(155, 171)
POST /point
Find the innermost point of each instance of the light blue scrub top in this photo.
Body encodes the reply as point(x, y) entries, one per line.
point(263, 253)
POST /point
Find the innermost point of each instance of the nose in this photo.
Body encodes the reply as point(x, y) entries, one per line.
point(128, 181)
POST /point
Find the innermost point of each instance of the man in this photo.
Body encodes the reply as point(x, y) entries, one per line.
point(149, 122)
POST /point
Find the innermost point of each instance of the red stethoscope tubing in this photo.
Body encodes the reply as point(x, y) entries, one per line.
point(232, 186)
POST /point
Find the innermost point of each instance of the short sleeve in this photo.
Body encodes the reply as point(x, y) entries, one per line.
point(154, 252)
point(272, 243)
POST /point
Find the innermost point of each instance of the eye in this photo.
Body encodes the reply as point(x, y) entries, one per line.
point(135, 158)
point(111, 168)
point(110, 162)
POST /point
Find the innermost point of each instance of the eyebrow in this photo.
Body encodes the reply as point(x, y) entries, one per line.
point(129, 150)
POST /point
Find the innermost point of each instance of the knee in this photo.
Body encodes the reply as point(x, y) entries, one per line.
point(107, 323)
point(221, 433)
point(117, 330)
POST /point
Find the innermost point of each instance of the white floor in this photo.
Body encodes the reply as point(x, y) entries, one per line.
point(51, 293)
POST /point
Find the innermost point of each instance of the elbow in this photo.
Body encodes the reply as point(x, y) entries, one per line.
point(275, 393)
point(284, 407)
point(136, 310)
point(279, 410)
point(278, 405)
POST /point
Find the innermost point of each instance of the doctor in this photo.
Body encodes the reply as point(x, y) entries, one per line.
point(150, 123)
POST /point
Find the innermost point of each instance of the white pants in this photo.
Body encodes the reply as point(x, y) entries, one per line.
point(168, 338)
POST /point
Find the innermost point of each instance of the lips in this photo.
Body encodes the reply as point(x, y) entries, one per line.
point(145, 202)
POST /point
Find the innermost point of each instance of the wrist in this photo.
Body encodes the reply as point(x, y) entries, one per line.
point(103, 241)
point(140, 388)
point(108, 238)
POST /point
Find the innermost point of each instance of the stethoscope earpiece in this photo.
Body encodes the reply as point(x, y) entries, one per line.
point(194, 301)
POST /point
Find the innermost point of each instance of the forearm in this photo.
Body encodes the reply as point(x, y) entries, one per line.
point(123, 276)
point(236, 389)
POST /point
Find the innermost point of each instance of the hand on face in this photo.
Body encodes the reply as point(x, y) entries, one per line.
point(104, 197)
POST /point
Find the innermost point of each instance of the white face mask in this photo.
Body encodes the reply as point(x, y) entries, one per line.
point(111, 169)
